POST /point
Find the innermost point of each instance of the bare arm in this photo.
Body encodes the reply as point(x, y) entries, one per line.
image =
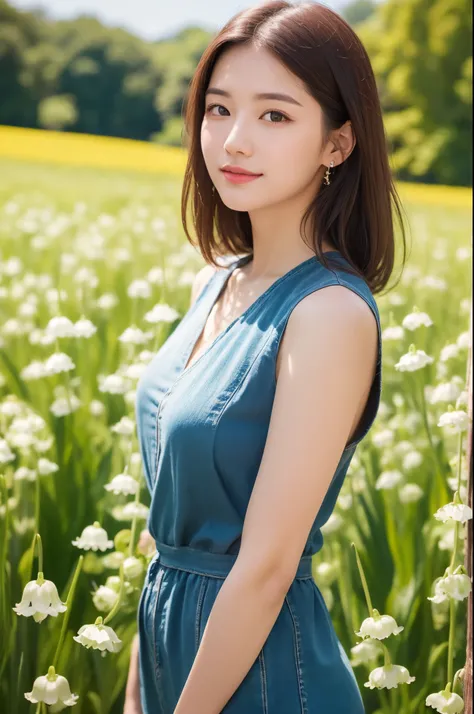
point(318, 394)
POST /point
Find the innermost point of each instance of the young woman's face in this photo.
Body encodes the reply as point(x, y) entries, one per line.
point(275, 137)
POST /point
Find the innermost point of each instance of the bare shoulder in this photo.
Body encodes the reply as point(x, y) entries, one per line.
point(335, 317)
point(202, 277)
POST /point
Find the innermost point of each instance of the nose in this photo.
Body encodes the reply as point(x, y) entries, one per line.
point(236, 142)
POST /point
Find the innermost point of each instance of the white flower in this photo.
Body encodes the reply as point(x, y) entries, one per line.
point(134, 336)
point(53, 690)
point(113, 560)
point(99, 637)
point(125, 427)
point(23, 473)
point(113, 384)
point(456, 586)
point(388, 677)
point(84, 328)
point(416, 319)
point(132, 567)
point(60, 327)
point(445, 702)
point(139, 289)
point(132, 509)
point(40, 598)
point(93, 538)
point(96, 407)
point(333, 524)
point(6, 454)
point(413, 360)
point(410, 493)
point(64, 405)
point(449, 352)
point(412, 459)
point(388, 479)
point(58, 362)
point(445, 392)
point(46, 467)
point(383, 438)
point(122, 483)
point(464, 340)
point(104, 598)
point(379, 627)
point(364, 652)
point(456, 419)
point(161, 313)
point(454, 511)
point(394, 333)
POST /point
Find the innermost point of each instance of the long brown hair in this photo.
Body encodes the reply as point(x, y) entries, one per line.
point(354, 211)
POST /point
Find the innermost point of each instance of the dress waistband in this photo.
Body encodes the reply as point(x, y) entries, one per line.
point(204, 562)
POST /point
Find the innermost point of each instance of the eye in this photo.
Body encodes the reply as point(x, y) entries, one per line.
point(281, 118)
point(280, 114)
point(211, 106)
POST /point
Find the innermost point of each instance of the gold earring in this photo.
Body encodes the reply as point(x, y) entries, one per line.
point(327, 174)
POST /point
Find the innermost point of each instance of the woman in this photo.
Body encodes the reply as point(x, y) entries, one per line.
point(250, 413)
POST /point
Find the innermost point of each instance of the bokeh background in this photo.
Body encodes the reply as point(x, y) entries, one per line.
point(91, 166)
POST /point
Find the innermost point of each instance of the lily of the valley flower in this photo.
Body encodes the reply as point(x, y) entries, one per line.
point(122, 483)
point(99, 637)
point(455, 586)
point(456, 419)
point(364, 652)
point(379, 626)
point(132, 567)
point(40, 598)
point(389, 677)
point(104, 598)
point(455, 511)
point(93, 538)
point(53, 690)
point(413, 360)
point(445, 702)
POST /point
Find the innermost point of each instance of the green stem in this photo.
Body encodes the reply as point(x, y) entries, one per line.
point(364, 581)
point(69, 600)
point(119, 598)
point(405, 698)
point(37, 502)
point(40, 552)
point(452, 624)
point(134, 521)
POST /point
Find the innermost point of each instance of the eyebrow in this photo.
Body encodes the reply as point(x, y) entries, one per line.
point(263, 95)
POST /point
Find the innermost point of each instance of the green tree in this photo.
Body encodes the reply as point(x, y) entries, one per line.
point(421, 52)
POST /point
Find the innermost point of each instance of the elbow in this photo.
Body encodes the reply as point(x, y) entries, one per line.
point(266, 576)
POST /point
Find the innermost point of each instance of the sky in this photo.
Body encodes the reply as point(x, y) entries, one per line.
point(151, 19)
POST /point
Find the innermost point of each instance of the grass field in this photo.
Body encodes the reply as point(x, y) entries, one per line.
point(84, 219)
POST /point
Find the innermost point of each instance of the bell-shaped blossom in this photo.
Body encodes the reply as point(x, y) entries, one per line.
point(122, 483)
point(416, 319)
point(410, 493)
point(104, 598)
point(379, 626)
point(132, 567)
point(84, 328)
point(98, 637)
point(40, 598)
point(388, 480)
point(445, 702)
point(53, 690)
point(454, 511)
point(60, 326)
point(365, 651)
point(93, 538)
point(413, 360)
point(125, 427)
point(456, 420)
point(59, 362)
point(388, 677)
point(456, 586)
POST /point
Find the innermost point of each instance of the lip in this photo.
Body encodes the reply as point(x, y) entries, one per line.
point(227, 168)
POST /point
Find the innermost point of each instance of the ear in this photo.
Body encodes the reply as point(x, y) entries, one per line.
point(340, 145)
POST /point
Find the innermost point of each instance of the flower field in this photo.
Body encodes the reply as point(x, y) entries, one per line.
point(94, 274)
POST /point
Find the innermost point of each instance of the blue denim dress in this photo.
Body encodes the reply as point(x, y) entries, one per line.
point(202, 433)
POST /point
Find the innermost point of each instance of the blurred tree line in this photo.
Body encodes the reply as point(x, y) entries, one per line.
point(81, 76)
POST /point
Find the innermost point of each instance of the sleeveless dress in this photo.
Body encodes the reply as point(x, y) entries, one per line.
point(202, 433)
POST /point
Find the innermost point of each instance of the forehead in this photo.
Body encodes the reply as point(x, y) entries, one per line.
point(247, 69)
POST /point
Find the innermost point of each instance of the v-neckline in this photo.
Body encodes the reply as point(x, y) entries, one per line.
point(185, 368)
